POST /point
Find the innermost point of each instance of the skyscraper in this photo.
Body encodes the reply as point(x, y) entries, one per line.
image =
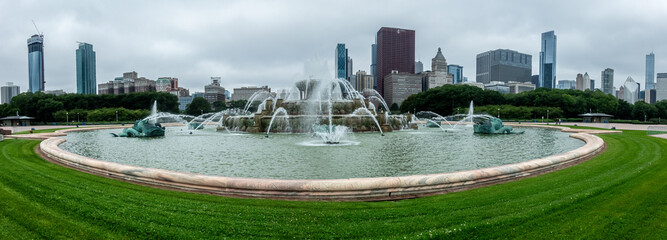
point(548, 60)
point(608, 81)
point(349, 68)
point(650, 71)
point(661, 87)
point(86, 77)
point(374, 64)
point(341, 61)
point(503, 65)
point(630, 90)
point(580, 82)
point(439, 63)
point(457, 73)
point(419, 67)
point(36, 63)
point(9, 91)
point(395, 51)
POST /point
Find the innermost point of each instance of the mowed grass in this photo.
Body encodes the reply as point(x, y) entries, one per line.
point(622, 193)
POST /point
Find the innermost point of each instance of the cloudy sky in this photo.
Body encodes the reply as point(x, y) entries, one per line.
point(268, 42)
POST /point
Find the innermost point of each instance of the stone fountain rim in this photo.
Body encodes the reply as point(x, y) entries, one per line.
point(350, 189)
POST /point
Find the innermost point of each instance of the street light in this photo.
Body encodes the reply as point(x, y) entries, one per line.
point(498, 112)
point(457, 111)
point(116, 115)
point(77, 117)
point(67, 117)
point(547, 114)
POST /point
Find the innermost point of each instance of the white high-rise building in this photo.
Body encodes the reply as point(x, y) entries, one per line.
point(630, 90)
point(661, 87)
point(587, 81)
point(9, 91)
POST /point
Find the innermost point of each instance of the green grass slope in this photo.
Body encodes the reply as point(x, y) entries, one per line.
point(621, 193)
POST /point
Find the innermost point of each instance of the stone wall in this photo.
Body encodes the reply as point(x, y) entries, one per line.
point(354, 189)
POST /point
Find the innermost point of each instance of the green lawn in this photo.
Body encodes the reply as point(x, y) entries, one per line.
point(620, 194)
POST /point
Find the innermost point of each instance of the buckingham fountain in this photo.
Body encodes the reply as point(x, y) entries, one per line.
point(319, 138)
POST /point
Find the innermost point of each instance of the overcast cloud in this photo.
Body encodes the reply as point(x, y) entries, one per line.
point(267, 42)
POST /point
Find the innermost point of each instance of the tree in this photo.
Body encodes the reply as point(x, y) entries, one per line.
point(624, 110)
point(394, 107)
point(644, 111)
point(240, 104)
point(47, 107)
point(219, 105)
point(198, 106)
point(661, 106)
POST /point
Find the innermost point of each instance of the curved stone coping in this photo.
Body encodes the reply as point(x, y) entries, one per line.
point(353, 189)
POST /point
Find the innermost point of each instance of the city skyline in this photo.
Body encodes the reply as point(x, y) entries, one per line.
point(270, 46)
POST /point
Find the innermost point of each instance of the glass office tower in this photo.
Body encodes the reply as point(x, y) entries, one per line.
point(36, 63)
point(548, 60)
point(86, 82)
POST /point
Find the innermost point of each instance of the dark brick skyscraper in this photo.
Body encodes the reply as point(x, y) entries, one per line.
point(395, 51)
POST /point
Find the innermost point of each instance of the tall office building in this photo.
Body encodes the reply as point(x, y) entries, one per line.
point(341, 61)
point(457, 73)
point(548, 60)
point(503, 65)
point(650, 71)
point(438, 75)
point(395, 52)
point(630, 91)
point(439, 63)
point(36, 63)
point(86, 77)
point(349, 68)
point(363, 81)
point(608, 81)
point(374, 64)
point(214, 92)
point(580, 82)
point(661, 87)
point(419, 67)
point(8, 92)
point(567, 84)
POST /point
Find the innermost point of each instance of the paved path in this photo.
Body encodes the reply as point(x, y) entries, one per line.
point(621, 126)
point(16, 129)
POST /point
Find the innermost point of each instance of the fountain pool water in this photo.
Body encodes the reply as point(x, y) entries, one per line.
point(304, 156)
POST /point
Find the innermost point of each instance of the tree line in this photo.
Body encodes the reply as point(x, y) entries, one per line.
point(47, 107)
point(557, 103)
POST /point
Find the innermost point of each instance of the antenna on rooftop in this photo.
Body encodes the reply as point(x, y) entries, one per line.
point(38, 32)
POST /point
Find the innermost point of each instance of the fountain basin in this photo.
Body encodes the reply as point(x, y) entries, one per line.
point(363, 188)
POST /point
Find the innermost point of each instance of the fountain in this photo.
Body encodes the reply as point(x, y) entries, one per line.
point(142, 128)
point(349, 158)
point(493, 125)
point(329, 108)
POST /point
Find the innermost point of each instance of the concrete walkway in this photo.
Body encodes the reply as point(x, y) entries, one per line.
point(16, 129)
point(620, 126)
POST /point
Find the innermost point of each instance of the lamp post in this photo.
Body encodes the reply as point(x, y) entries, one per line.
point(67, 117)
point(498, 112)
point(547, 114)
point(77, 117)
point(457, 111)
point(116, 115)
point(202, 111)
